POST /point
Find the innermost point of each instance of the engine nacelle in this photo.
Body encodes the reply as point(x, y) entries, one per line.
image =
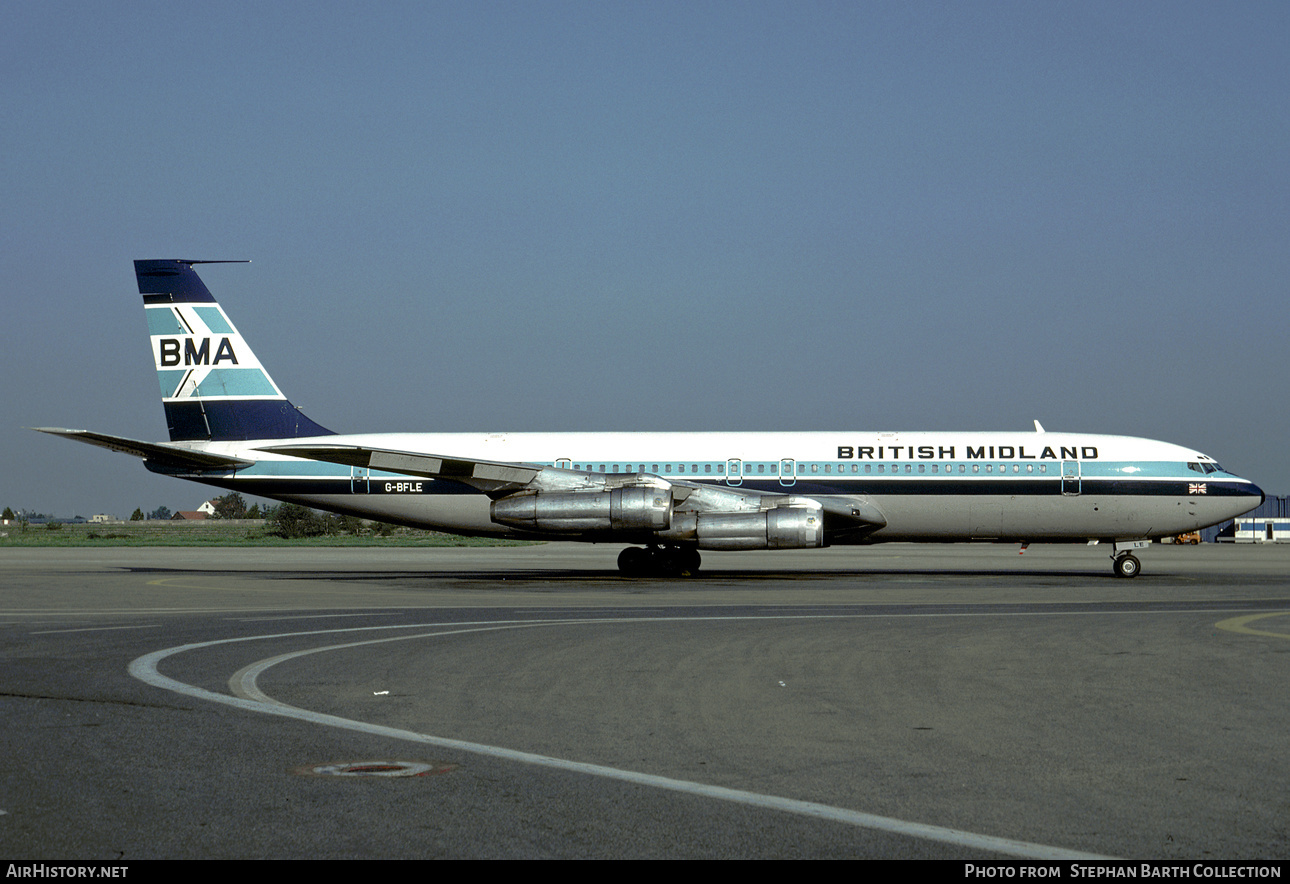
point(786, 527)
point(575, 512)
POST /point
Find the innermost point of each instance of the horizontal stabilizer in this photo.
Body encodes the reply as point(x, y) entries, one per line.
point(156, 453)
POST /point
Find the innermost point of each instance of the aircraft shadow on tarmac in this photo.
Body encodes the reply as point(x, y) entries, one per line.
point(699, 581)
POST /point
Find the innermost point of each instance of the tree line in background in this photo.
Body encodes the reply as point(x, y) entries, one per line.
point(230, 506)
point(293, 520)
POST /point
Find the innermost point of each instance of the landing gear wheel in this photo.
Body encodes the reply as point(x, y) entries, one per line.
point(1127, 566)
point(682, 561)
point(672, 561)
point(633, 561)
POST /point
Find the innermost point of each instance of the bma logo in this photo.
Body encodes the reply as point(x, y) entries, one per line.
point(195, 354)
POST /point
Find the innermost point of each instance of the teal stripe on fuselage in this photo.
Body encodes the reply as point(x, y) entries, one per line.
point(1144, 470)
point(948, 479)
point(265, 469)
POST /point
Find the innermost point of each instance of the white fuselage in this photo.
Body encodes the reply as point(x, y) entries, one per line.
point(940, 486)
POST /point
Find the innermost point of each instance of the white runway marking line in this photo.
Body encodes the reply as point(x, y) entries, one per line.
point(254, 700)
point(96, 629)
point(312, 616)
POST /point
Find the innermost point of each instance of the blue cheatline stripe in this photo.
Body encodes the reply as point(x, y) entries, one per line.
point(809, 470)
point(214, 320)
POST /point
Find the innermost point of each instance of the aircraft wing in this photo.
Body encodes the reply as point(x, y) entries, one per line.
point(158, 453)
point(491, 477)
point(843, 515)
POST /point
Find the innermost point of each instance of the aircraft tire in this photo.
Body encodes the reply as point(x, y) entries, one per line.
point(689, 561)
point(1127, 566)
point(633, 561)
point(665, 562)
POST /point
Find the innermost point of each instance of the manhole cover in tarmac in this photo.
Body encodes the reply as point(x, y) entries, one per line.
point(376, 769)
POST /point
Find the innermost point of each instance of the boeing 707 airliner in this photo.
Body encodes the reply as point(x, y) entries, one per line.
point(665, 495)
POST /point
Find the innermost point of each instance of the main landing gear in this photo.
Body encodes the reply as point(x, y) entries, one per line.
point(659, 561)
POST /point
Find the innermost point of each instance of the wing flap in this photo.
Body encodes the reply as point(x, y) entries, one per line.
point(490, 477)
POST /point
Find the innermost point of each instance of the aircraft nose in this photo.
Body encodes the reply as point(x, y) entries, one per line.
point(1248, 493)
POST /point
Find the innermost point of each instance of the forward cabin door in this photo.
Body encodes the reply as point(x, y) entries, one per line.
point(1070, 478)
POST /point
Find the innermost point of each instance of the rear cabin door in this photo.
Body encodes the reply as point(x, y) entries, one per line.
point(358, 480)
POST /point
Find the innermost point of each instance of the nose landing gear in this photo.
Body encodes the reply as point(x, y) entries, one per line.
point(1127, 566)
point(1123, 562)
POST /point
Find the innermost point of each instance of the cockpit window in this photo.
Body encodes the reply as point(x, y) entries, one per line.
point(1196, 467)
point(1212, 468)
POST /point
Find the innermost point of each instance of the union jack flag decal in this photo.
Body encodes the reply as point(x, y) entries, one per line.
point(1197, 488)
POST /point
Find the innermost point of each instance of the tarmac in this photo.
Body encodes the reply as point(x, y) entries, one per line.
point(898, 701)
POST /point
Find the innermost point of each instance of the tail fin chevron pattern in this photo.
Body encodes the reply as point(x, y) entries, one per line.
point(212, 386)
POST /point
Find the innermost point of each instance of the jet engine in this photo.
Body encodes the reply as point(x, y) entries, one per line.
point(622, 509)
point(784, 527)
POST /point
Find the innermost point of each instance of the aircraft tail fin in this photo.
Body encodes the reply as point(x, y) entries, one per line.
point(212, 386)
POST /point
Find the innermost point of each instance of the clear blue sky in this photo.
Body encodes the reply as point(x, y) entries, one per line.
point(636, 216)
